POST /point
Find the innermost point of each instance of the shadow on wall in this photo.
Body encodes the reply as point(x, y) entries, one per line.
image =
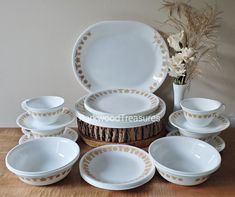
point(218, 84)
point(165, 92)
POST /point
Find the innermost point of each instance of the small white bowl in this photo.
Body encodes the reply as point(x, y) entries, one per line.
point(184, 161)
point(199, 112)
point(43, 161)
point(44, 109)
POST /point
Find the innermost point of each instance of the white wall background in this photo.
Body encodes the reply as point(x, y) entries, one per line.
point(37, 37)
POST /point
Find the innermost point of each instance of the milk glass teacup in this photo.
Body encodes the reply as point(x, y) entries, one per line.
point(44, 109)
point(200, 112)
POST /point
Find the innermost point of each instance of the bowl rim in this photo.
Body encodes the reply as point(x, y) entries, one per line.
point(33, 109)
point(182, 173)
point(199, 111)
point(189, 133)
point(46, 172)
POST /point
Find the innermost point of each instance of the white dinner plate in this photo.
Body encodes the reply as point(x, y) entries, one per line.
point(126, 102)
point(120, 54)
point(217, 142)
point(69, 134)
point(27, 122)
point(119, 122)
point(116, 167)
point(178, 120)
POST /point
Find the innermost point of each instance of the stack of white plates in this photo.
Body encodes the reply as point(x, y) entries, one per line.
point(115, 109)
point(117, 167)
point(121, 64)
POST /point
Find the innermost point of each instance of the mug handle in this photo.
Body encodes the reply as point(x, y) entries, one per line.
point(66, 129)
point(26, 132)
point(221, 109)
point(24, 106)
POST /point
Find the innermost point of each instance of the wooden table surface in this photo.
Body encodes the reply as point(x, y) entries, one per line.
point(221, 183)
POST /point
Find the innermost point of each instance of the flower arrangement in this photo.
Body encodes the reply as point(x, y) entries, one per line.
point(195, 40)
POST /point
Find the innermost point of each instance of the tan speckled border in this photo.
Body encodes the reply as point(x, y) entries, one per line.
point(77, 59)
point(157, 78)
point(152, 98)
point(50, 135)
point(45, 179)
point(180, 113)
point(47, 114)
point(206, 116)
point(63, 111)
point(176, 178)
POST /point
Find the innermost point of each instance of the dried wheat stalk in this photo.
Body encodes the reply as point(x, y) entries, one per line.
point(200, 28)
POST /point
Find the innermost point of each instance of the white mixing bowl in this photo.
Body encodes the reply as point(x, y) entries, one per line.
point(43, 161)
point(183, 160)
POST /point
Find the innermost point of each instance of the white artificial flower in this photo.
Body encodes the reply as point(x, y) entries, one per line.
point(176, 41)
point(177, 66)
point(188, 54)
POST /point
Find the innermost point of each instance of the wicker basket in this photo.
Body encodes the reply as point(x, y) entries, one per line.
point(139, 136)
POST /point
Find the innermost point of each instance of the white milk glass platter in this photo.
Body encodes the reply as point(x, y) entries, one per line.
point(116, 167)
point(120, 54)
point(27, 122)
point(69, 134)
point(126, 122)
point(217, 142)
point(126, 102)
point(219, 123)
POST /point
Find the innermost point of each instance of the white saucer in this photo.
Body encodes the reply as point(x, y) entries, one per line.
point(116, 167)
point(128, 102)
point(217, 142)
point(27, 122)
point(178, 120)
point(69, 134)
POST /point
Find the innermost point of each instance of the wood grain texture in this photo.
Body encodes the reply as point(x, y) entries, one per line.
point(139, 143)
point(139, 136)
point(221, 183)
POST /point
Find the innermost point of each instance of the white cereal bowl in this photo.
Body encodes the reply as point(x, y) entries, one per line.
point(43, 161)
point(184, 161)
point(200, 112)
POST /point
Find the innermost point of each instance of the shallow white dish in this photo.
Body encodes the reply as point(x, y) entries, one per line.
point(217, 142)
point(115, 102)
point(120, 54)
point(218, 124)
point(116, 167)
point(43, 161)
point(122, 122)
point(68, 133)
point(27, 122)
point(184, 160)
